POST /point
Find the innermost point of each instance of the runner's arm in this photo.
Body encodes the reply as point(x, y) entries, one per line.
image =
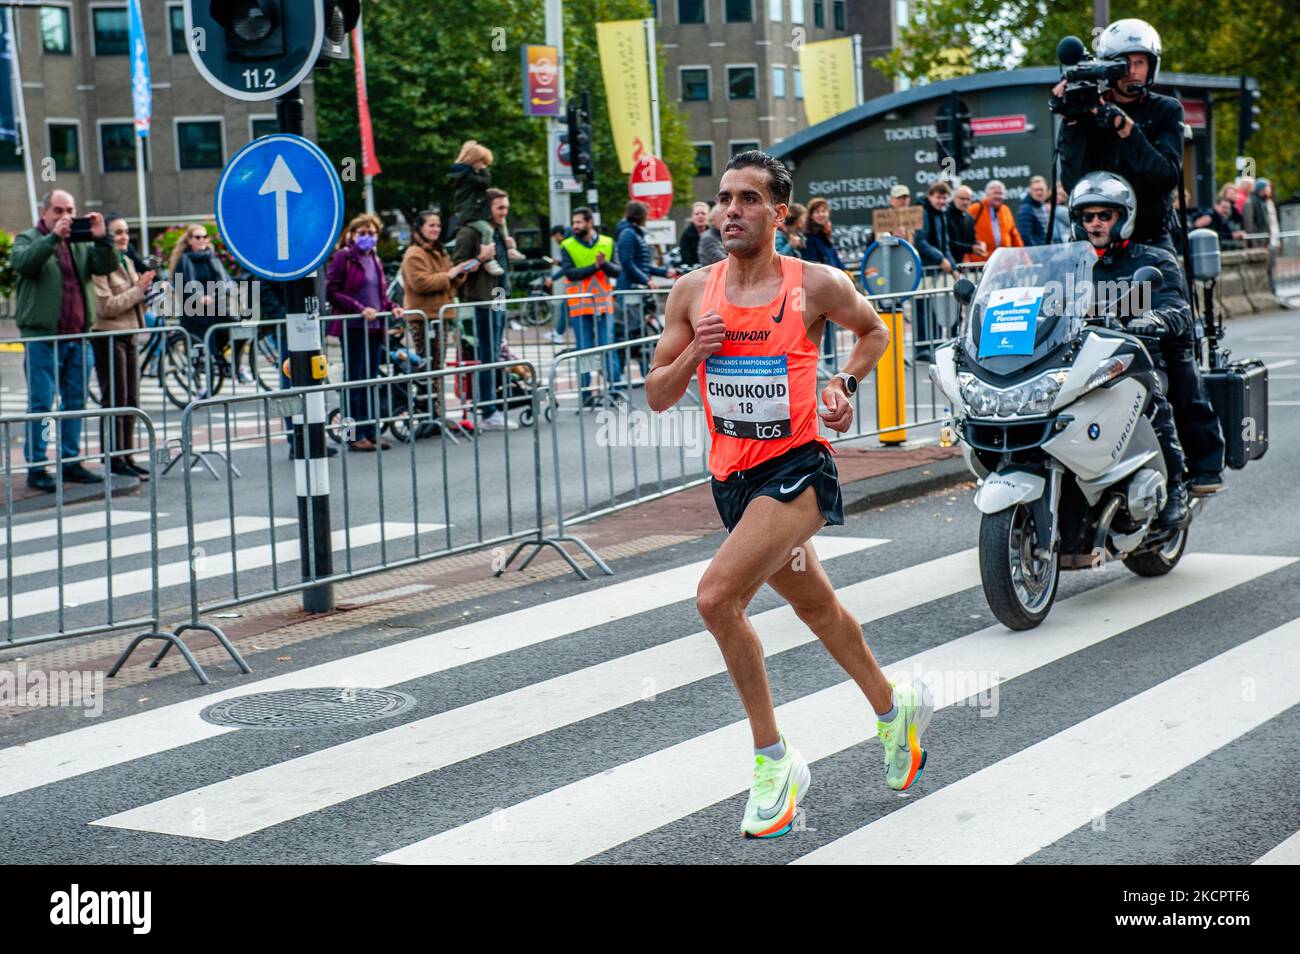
point(677, 354)
point(832, 295)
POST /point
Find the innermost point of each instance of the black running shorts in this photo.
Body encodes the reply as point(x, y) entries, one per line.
point(784, 477)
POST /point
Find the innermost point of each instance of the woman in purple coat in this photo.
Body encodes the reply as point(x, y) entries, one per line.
point(355, 285)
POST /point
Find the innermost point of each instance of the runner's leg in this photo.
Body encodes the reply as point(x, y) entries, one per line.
point(803, 583)
point(759, 546)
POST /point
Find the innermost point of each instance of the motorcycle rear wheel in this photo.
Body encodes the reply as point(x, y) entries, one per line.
point(1160, 561)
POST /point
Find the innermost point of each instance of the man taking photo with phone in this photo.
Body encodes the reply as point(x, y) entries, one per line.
point(54, 263)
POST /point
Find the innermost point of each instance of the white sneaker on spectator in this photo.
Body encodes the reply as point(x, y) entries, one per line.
point(515, 326)
point(493, 267)
point(496, 421)
point(556, 338)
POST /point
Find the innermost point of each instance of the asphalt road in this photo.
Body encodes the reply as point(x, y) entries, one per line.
point(1144, 721)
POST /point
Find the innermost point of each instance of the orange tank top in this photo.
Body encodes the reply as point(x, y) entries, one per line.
point(760, 390)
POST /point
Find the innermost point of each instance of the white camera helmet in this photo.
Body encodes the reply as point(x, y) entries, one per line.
point(1103, 188)
point(1131, 36)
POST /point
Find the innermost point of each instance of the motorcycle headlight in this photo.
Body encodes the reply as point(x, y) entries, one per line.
point(1108, 370)
point(1032, 397)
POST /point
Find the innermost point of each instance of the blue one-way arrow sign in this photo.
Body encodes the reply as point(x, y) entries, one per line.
point(280, 207)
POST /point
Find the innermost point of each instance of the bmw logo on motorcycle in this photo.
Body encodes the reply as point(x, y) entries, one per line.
point(1094, 431)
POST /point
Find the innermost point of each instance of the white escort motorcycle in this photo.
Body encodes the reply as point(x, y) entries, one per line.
point(1051, 403)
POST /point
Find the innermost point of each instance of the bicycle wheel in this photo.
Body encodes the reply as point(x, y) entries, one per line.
point(175, 368)
point(264, 361)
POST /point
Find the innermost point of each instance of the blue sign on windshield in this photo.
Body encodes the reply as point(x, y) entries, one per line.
point(1010, 321)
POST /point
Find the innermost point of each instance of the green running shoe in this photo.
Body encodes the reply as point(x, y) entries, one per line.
point(774, 796)
point(901, 737)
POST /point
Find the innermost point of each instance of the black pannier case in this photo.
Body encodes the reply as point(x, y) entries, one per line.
point(1239, 394)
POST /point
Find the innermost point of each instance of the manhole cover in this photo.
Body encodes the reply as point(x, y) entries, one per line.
point(307, 708)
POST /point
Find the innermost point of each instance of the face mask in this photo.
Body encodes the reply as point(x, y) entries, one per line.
point(367, 242)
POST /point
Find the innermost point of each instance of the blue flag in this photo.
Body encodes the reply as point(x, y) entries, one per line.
point(8, 124)
point(141, 94)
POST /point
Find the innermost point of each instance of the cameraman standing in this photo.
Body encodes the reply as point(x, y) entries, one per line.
point(1138, 134)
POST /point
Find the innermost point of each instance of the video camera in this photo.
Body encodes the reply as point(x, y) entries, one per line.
point(1086, 79)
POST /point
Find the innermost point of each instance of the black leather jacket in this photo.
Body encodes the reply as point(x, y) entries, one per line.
point(1113, 274)
point(1151, 158)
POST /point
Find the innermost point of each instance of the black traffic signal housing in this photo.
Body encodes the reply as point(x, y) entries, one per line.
point(1248, 116)
point(254, 28)
point(577, 139)
point(955, 136)
point(341, 18)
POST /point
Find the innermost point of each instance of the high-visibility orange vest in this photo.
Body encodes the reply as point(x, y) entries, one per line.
point(594, 293)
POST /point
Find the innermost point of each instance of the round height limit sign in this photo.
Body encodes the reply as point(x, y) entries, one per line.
point(652, 184)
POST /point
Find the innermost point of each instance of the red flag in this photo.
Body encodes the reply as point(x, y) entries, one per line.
point(369, 161)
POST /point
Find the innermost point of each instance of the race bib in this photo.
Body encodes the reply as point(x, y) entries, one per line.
point(1010, 321)
point(749, 396)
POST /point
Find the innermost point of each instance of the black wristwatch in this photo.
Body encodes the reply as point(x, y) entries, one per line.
point(850, 382)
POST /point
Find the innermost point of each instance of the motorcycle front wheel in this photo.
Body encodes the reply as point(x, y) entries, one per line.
point(1019, 584)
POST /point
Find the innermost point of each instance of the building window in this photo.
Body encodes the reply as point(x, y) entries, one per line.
point(838, 8)
point(704, 158)
point(56, 30)
point(690, 11)
point(264, 126)
point(798, 83)
point(176, 23)
point(775, 10)
point(742, 82)
point(819, 13)
point(796, 11)
point(739, 11)
point(198, 144)
point(778, 82)
point(695, 83)
point(65, 147)
point(112, 29)
point(743, 145)
point(10, 159)
point(117, 147)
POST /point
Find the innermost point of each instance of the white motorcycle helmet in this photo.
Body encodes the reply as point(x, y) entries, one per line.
point(1131, 36)
point(1103, 188)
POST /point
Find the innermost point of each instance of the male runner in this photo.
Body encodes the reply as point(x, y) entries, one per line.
point(750, 326)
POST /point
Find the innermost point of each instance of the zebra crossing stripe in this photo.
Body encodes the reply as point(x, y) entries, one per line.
point(48, 560)
point(577, 821)
point(236, 807)
point(1287, 853)
point(1007, 811)
point(76, 523)
point(131, 582)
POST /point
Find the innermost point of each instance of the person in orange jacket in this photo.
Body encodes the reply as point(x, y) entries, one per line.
point(995, 226)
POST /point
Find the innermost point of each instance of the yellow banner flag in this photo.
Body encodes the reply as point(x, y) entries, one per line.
point(625, 66)
point(829, 86)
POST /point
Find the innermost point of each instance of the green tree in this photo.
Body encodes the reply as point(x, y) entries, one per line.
point(440, 73)
point(1220, 37)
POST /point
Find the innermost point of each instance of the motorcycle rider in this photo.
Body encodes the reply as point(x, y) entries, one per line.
point(1141, 139)
point(1103, 212)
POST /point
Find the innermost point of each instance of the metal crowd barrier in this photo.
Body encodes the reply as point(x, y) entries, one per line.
point(415, 503)
point(75, 605)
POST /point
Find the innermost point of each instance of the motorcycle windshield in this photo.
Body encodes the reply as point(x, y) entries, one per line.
point(1029, 302)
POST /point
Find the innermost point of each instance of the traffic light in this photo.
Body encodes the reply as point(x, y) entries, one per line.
point(955, 136)
point(1248, 119)
point(576, 140)
point(341, 18)
point(254, 28)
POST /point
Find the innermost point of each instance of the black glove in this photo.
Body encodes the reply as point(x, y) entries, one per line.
point(1148, 323)
point(1107, 113)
